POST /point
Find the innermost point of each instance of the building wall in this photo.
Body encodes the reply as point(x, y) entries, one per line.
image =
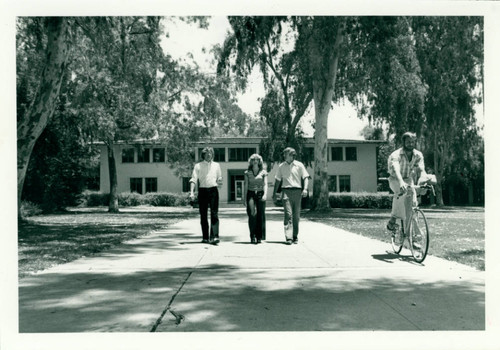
point(362, 172)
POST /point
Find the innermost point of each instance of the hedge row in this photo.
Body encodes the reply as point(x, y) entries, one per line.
point(164, 199)
point(361, 200)
point(130, 199)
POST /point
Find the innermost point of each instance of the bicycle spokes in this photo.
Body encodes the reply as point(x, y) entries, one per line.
point(419, 236)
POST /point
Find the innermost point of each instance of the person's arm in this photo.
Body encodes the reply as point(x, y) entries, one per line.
point(264, 196)
point(423, 178)
point(305, 191)
point(245, 189)
point(396, 168)
point(305, 177)
point(219, 176)
point(277, 182)
point(193, 181)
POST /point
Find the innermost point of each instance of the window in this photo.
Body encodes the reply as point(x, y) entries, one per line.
point(186, 187)
point(337, 154)
point(136, 184)
point(151, 184)
point(159, 155)
point(332, 183)
point(128, 155)
point(308, 154)
point(240, 154)
point(345, 183)
point(143, 155)
point(351, 153)
point(219, 154)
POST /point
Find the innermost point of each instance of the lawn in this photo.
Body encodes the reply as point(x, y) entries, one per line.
point(456, 233)
point(48, 240)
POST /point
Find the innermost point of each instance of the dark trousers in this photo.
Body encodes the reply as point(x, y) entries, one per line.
point(256, 210)
point(209, 197)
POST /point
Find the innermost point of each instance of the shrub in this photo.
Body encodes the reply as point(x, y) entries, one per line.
point(130, 199)
point(165, 199)
point(29, 209)
point(93, 199)
point(360, 200)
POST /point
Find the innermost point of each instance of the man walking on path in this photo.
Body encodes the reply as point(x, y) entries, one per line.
point(207, 174)
point(289, 176)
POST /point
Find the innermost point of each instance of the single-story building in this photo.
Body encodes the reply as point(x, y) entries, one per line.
point(352, 166)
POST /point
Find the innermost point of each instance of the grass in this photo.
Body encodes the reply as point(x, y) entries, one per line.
point(48, 240)
point(456, 233)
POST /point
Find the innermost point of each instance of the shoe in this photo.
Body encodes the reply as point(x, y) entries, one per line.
point(392, 226)
point(204, 241)
point(259, 241)
point(215, 241)
point(288, 241)
point(295, 241)
point(253, 241)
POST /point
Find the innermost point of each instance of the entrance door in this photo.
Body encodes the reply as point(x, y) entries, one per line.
point(238, 185)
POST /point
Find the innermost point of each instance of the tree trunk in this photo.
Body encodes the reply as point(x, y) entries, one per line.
point(439, 174)
point(113, 180)
point(323, 63)
point(31, 125)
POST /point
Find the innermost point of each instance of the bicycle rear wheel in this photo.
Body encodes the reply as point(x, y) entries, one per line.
point(419, 235)
point(397, 239)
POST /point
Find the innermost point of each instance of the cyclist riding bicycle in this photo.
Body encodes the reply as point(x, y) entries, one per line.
point(406, 168)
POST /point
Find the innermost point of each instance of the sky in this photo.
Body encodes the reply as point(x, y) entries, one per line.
point(186, 38)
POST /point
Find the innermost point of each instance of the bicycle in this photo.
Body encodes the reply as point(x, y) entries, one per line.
point(417, 226)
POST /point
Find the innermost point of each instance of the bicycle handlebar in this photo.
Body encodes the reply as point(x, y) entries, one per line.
point(426, 186)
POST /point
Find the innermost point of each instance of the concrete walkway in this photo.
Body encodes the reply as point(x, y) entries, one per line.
point(332, 280)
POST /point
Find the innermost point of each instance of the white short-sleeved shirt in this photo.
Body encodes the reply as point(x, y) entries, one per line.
point(291, 174)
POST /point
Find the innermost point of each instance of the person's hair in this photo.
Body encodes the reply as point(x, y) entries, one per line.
point(408, 135)
point(205, 151)
point(290, 151)
point(259, 158)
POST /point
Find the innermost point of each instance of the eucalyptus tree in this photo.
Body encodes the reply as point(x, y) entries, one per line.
point(369, 61)
point(42, 51)
point(117, 68)
point(450, 53)
point(269, 43)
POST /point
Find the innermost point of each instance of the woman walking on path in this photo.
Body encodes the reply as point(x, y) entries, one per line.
point(254, 198)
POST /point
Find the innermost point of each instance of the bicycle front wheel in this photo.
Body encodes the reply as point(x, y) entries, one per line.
point(397, 239)
point(419, 235)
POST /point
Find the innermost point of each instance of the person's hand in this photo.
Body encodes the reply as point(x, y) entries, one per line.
point(219, 182)
point(191, 196)
point(264, 197)
point(403, 188)
point(304, 193)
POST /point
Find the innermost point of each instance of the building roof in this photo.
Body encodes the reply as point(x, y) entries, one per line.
point(239, 141)
point(256, 140)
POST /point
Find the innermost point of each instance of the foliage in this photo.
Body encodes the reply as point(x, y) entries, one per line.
point(41, 57)
point(450, 53)
point(268, 42)
point(128, 199)
point(360, 200)
point(29, 209)
point(59, 164)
